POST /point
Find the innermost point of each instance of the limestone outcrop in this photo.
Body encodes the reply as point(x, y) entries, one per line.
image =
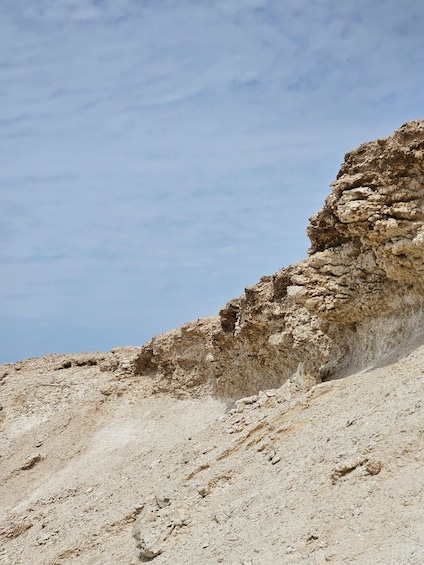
point(351, 305)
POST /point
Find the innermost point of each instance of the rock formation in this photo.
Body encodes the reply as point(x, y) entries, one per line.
point(355, 302)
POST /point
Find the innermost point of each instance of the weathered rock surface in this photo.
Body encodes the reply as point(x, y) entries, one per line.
point(353, 304)
point(134, 455)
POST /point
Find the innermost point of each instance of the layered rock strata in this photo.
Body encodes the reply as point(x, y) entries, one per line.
point(351, 305)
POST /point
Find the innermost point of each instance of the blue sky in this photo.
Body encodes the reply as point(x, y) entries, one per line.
point(156, 157)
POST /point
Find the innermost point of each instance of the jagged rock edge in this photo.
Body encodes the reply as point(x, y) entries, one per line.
point(355, 303)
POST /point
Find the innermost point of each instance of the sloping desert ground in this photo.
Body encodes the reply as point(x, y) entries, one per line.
point(333, 474)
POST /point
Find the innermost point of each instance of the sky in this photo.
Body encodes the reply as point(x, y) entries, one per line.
point(157, 157)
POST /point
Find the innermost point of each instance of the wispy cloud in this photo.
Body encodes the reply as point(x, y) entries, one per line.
point(158, 156)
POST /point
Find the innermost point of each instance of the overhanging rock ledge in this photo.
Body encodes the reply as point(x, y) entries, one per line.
point(353, 304)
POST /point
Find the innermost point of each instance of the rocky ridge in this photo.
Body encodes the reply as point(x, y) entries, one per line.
point(362, 284)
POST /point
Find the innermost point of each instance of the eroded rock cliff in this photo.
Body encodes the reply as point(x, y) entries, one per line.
point(352, 304)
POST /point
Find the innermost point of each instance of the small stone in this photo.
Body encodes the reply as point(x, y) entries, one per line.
point(149, 547)
point(247, 400)
point(271, 454)
point(261, 446)
point(373, 467)
point(181, 518)
point(31, 461)
point(163, 501)
point(275, 459)
point(125, 364)
point(203, 491)
point(220, 518)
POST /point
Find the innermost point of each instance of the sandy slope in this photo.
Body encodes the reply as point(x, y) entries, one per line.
point(333, 474)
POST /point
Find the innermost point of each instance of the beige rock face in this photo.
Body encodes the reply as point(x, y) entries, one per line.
point(355, 302)
point(367, 242)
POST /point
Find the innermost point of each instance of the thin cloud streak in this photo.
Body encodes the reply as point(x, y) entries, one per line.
point(158, 156)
